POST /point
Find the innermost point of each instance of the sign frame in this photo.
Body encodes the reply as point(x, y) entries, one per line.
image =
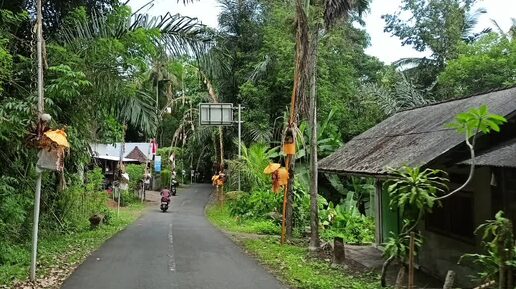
point(216, 114)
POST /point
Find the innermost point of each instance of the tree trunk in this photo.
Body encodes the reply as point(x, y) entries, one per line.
point(221, 140)
point(383, 276)
point(314, 206)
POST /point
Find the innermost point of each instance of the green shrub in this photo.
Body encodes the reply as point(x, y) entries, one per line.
point(349, 224)
point(135, 173)
point(165, 178)
point(257, 205)
point(128, 197)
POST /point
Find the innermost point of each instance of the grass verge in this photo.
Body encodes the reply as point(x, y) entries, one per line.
point(291, 263)
point(219, 216)
point(58, 255)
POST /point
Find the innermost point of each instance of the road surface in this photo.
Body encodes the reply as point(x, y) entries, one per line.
point(178, 249)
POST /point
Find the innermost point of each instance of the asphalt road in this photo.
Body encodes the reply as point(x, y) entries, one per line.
point(178, 249)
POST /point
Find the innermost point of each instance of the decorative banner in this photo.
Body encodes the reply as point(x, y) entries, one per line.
point(154, 147)
point(157, 164)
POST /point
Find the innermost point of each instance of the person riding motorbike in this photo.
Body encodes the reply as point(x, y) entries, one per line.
point(173, 186)
point(165, 195)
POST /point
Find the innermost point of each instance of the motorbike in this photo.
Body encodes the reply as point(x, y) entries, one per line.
point(165, 200)
point(173, 187)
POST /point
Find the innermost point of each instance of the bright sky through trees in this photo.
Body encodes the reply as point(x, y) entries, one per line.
point(383, 45)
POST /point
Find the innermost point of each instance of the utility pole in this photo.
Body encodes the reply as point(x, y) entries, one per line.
point(41, 108)
point(117, 188)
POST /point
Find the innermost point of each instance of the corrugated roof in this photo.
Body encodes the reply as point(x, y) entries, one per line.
point(113, 158)
point(503, 155)
point(413, 137)
point(114, 149)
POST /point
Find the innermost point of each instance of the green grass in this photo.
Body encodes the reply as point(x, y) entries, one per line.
point(65, 250)
point(219, 215)
point(291, 263)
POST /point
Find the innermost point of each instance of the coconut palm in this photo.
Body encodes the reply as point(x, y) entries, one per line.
point(306, 63)
point(168, 35)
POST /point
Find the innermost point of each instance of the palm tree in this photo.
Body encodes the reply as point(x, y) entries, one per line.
point(306, 64)
point(169, 35)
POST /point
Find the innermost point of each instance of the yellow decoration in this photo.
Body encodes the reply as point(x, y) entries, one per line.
point(214, 179)
point(271, 168)
point(283, 176)
point(279, 179)
point(289, 148)
point(58, 137)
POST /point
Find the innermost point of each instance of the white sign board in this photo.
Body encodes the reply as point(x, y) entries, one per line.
point(216, 113)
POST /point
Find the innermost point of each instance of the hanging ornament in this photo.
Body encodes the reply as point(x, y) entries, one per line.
point(289, 144)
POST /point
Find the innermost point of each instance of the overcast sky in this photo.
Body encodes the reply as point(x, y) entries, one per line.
point(383, 45)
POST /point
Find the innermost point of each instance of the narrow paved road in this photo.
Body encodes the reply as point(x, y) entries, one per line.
point(178, 249)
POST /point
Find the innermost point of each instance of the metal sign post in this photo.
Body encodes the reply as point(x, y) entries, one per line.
point(221, 114)
point(239, 141)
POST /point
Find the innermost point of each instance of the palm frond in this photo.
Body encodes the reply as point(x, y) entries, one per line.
point(470, 23)
point(138, 110)
point(336, 10)
point(260, 69)
point(181, 35)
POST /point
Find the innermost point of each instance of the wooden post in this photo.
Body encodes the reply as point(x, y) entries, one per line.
point(378, 212)
point(284, 217)
point(400, 278)
point(339, 253)
point(411, 261)
point(450, 279)
point(502, 278)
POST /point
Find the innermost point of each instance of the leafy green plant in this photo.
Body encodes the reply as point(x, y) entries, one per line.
point(413, 187)
point(166, 176)
point(135, 173)
point(250, 167)
point(345, 221)
point(257, 205)
point(499, 261)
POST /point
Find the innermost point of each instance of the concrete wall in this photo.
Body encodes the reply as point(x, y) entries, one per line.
point(441, 253)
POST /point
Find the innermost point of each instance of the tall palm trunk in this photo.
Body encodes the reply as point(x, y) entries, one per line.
point(314, 208)
point(297, 95)
point(221, 142)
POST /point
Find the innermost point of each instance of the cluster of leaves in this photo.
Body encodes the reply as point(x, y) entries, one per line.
point(135, 173)
point(257, 205)
point(345, 221)
point(498, 241)
point(63, 212)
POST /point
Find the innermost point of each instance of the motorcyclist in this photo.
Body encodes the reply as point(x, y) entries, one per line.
point(165, 195)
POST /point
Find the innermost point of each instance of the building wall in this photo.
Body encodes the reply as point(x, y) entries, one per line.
point(441, 253)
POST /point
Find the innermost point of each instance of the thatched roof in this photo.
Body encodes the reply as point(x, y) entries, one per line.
point(503, 156)
point(413, 137)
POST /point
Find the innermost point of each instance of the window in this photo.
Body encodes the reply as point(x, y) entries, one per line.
point(455, 218)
